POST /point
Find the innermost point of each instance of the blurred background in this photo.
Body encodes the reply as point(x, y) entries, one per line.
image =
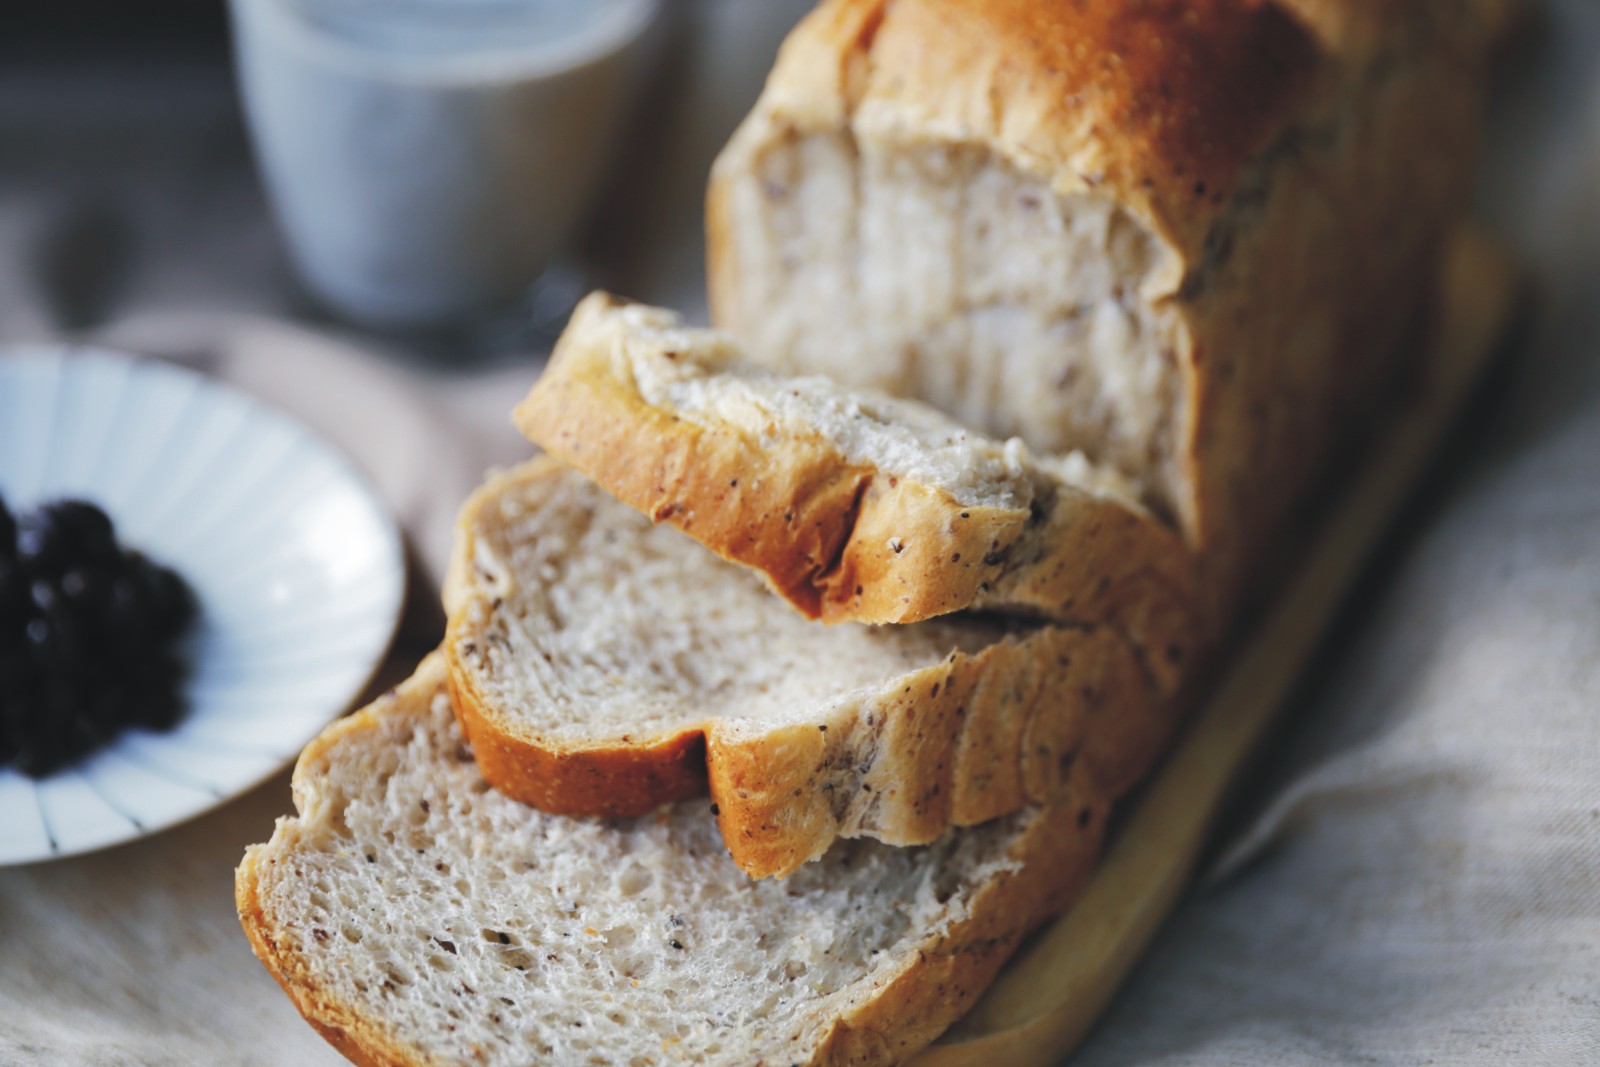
point(129, 184)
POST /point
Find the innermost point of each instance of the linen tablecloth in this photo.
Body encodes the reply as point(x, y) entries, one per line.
point(1416, 876)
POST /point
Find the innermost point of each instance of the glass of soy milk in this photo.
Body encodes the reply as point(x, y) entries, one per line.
point(425, 158)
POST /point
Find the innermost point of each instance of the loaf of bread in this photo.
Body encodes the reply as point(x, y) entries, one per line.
point(418, 918)
point(605, 666)
point(855, 505)
point(1049, 309)
point(1190, 239)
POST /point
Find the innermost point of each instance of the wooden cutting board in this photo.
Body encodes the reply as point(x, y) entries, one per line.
point(1051, 994)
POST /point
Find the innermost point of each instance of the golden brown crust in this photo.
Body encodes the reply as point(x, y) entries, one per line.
point(977, 736)
point(615, 778)
point(911, 552)
point(1027, 721)
point(845, 541)
point(1309, 325)
point(1048, 861)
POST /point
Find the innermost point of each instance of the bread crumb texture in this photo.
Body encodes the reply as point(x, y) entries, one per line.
point(422, 918)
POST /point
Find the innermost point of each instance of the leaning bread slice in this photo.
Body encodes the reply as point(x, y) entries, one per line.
point(417, 917)
point(604, 665)
point(855, 506)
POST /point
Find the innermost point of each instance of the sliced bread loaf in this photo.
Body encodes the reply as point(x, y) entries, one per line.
point(855, 506)
point(603, 665)
point(419, 919)
point(1191, 238)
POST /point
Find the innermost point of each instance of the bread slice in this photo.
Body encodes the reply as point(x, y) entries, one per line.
point(855, 506)
point(603, 665)
point(418, 918)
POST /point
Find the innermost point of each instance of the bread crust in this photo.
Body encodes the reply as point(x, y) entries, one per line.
point(843, 540)
point(1024, 722)
point(1050, 857)
point(976, 736)
point(616, 777)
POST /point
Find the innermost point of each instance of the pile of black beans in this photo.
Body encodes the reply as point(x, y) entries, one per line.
point(89, 637)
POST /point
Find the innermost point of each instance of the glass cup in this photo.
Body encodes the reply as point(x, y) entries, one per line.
point(426, 158)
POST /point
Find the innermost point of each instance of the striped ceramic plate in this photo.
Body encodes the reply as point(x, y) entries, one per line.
point(297, 566)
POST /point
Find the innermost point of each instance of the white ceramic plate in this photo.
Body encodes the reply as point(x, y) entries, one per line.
point(297, 566)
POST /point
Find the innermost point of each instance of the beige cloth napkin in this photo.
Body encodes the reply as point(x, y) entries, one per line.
point(1416, 880)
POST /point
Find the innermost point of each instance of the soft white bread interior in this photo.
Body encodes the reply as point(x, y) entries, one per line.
point(604, 665)
point(855, 505)
point(417, 917)
point(1189, 238)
